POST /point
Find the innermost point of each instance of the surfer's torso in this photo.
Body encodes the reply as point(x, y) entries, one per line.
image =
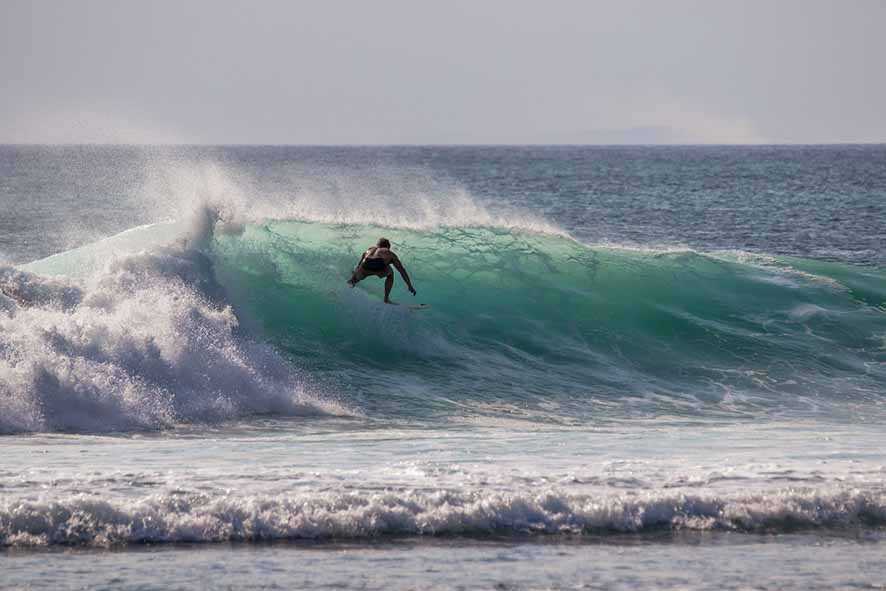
point(376, 259)
point(378, 252)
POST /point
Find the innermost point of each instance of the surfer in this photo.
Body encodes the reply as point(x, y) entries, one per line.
point(377, 260)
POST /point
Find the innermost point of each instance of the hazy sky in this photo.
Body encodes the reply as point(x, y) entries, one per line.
point(481, 71)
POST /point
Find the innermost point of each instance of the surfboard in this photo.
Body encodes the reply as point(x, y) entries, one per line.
point(409, 306)
point(377, 297)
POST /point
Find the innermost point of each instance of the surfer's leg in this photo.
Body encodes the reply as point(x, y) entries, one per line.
point(389, 283)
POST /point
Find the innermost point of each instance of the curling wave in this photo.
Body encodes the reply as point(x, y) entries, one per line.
point(543, 327)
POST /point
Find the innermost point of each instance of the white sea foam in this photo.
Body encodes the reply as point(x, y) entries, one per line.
point(145, 343)
point(91, 521)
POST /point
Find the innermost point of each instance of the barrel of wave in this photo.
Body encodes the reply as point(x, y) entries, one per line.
point(290, 278)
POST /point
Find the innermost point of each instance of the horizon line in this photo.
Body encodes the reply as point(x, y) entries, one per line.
point(442, 145)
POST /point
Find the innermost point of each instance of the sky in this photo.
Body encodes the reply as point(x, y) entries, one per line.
point(442, 72)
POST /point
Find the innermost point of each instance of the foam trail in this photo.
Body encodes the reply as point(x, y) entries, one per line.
point(90, 521)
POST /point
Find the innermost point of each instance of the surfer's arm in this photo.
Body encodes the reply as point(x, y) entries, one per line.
point(399, 266)
point(362, 258)
point(357, 274)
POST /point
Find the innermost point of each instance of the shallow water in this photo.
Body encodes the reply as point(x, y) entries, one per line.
point(684, 561)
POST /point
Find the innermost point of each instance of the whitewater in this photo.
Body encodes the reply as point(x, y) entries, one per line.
point(181, 360)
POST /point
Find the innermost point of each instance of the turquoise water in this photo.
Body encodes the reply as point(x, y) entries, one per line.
point(546, 322)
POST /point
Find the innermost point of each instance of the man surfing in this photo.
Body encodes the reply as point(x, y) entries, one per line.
point(377, 260)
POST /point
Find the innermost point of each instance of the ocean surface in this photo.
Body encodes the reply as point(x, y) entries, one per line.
point(639, 367)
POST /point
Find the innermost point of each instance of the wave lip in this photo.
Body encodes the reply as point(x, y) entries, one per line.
point(87, 521)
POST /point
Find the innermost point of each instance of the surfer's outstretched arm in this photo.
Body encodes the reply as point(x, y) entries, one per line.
point(399, 266)
point(356, 276)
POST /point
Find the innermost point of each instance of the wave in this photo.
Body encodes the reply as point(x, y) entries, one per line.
point(223, 315)
point(90, 521)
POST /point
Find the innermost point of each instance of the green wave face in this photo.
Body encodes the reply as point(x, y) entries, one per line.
point(542, 327)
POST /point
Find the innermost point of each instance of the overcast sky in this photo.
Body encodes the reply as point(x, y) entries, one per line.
point(413, 71)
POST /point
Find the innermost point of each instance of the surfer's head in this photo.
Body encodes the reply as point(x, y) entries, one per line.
point(383, 243)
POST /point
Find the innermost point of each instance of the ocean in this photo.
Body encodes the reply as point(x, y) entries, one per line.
point(637, 367)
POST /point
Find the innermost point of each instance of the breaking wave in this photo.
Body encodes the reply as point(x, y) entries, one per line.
point(88, 521)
